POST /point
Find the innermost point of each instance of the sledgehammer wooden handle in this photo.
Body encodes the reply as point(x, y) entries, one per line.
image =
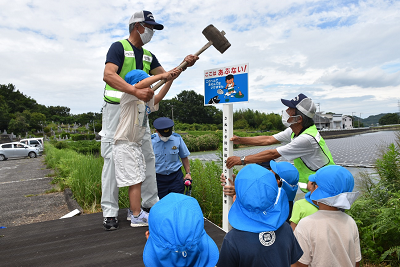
point(184, 63)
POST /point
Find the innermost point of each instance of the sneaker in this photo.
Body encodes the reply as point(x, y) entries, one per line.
point(129, 215)
point(140, 220)
point(110, 223)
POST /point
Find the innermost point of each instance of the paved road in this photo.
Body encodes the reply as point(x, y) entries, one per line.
point(358, 150)
point(23, 186)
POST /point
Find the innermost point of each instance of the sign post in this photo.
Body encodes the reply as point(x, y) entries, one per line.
point(226, 85)
point(227, 151)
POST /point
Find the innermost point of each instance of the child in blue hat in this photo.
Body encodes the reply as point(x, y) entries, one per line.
point(260, 234)
point(289, 176)
point(130, 165)
point(329, 237)
point(303, 207)
point(176, 235)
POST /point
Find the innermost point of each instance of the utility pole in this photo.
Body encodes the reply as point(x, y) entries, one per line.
point(359, 125)
point(398, 118)
point(172, 117)
point(352, 118)
point(319, 114)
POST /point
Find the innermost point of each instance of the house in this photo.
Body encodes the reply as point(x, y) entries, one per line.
point(332, 121)
point(347, 122)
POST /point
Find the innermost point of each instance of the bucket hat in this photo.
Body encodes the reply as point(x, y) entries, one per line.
point(135, 76)
point(260, 204)
point(289, 175)
point(177, 236)
point(335, 186)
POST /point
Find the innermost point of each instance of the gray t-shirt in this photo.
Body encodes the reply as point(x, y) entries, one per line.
point(303, 146)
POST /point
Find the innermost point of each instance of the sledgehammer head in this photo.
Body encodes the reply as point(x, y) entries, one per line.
point(217, 38)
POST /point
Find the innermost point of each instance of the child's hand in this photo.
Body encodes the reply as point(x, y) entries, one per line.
point(167, 76)
point(229, 190)
point(175, 73)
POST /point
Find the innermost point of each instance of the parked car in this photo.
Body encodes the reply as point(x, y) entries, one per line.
point(16, 150)
point(36, 142)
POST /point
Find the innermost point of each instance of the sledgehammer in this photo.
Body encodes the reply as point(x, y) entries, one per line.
point(215, 38)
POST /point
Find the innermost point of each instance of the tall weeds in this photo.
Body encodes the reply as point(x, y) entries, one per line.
point(377, 211)
point(82, 173)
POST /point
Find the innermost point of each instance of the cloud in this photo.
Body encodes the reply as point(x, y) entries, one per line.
point(333, 51)
point(374, 77)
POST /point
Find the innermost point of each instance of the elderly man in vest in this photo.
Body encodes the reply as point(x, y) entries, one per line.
point(122, 57)
point(304, 144)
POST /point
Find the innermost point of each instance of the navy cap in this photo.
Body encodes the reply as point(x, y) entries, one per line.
point(301, 103)
point(164, 126)
point(146, 17)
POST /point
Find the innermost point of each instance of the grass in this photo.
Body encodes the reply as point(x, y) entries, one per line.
point(82, 173)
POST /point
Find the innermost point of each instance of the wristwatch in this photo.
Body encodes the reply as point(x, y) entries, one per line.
point(242, 159)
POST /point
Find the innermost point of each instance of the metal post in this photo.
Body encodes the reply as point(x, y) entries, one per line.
point(227, 151)
point(172, 117)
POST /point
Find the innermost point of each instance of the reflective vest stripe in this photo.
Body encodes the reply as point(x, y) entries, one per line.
point(302, 185)
point(113, 95)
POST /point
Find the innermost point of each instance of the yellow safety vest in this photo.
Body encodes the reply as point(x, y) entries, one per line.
point(304, 170)
point(113, 95)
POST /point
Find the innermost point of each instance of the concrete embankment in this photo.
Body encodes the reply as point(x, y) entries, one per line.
point(331, 134)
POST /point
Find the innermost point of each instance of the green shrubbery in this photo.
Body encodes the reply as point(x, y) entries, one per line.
point(377, 211)
point(83, 147)
point(78, 137)
point(201, 143)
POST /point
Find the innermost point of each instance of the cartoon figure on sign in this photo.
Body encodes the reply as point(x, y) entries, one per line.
point(230, 84)
point(214, 100)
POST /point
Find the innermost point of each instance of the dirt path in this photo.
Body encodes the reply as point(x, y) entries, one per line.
point(23, 197)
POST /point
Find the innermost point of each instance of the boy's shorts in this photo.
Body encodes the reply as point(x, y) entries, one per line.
point(130, 165)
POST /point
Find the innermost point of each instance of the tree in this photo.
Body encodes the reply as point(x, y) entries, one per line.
point(188, 107)
point(18, 125)
point(4, 113)
point(390, 118)
point(241, 124)
point(36, 120)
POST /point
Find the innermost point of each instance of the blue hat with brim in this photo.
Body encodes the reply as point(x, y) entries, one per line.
point(177, 236)
point(289, 175)
point(260, 204)
point(163, 123)
point(332, 180)
point(135, 76)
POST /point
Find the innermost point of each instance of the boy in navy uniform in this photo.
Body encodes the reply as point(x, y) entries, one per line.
point(168, 148)
point(260, 234)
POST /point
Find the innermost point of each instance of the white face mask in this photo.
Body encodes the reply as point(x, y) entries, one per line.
point(147, 35)
point(164, 139)
point(286, 117)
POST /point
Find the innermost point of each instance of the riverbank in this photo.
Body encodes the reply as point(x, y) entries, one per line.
point(332, 134)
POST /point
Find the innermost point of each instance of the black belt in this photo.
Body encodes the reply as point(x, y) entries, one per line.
point(111, 102)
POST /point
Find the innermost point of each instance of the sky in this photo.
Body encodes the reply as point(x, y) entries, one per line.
point(345, 55)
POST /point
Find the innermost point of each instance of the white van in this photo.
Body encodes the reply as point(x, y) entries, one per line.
point(35, 142)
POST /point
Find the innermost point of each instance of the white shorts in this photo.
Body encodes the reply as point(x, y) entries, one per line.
point(130, 165)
